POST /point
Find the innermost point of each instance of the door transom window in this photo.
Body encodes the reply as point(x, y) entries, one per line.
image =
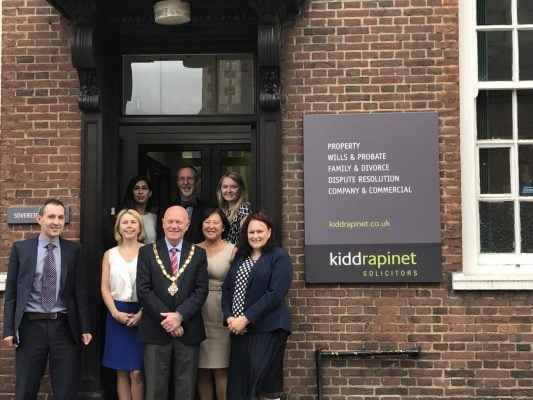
point(188, 84)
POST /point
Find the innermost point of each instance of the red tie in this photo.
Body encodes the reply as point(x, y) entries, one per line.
point(174, 260)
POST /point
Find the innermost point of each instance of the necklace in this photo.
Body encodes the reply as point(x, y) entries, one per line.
point(173, 288)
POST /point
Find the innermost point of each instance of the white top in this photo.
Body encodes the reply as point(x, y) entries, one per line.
point(149, 221)
point(122, 276)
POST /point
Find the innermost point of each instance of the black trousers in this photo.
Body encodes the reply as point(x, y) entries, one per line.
point(41, 341)
point(174, 363)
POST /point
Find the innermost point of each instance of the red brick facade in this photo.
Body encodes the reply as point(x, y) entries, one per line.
point(338, 57)
point(40, 141)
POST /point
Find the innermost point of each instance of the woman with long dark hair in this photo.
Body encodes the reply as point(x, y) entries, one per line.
point(139, 197)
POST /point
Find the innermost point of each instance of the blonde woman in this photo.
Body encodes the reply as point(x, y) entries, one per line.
point(233, 201)
point(123, 352)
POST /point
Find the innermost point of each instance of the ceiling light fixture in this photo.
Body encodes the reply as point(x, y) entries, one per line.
point(172, 12)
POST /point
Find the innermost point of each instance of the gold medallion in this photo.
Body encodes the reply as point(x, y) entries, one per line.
point(173, 288)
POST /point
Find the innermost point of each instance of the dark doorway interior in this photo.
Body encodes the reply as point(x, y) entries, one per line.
point(212, 150)
point(159, 163)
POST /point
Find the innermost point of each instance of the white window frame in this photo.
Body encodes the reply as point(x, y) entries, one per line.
point(485, 271)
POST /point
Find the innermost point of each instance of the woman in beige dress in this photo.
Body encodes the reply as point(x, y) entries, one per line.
point(214, 351)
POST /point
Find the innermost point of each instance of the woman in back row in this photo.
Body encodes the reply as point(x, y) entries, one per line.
point(233, 201)
point(139, 198)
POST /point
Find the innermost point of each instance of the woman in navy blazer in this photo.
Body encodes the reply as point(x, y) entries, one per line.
point(253, 303)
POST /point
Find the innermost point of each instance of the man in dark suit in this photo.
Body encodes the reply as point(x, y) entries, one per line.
point(46, 309)
point(172, 285)
point(186, 180)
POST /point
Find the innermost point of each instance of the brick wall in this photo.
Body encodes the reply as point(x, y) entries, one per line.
point(340, 56)
point(40, 138)
point(392, 56)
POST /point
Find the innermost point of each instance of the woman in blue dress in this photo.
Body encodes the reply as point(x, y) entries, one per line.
point(123, 352)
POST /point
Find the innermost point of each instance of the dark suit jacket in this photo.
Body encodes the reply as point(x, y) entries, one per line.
point(152, 293)
point(194, 233)
point(268, 284)
point(73, 285)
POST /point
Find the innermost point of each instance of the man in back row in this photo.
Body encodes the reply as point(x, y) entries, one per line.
point(186, 180)
point(46, 308)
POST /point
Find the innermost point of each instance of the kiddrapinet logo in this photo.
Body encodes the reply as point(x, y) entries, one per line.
point(383, 265)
